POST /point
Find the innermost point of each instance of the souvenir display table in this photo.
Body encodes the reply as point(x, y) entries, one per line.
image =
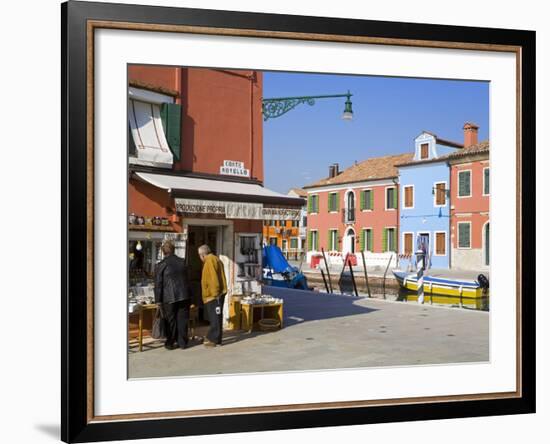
point(267, 306)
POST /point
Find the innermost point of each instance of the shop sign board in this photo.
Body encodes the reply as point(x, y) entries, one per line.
point(234, 168)
point(235, 210)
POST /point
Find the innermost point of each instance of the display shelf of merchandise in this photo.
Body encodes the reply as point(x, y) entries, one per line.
point(150, 228)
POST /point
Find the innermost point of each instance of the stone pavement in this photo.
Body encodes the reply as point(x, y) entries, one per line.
point(324, 331)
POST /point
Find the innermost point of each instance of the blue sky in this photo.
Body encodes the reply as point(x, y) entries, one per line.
point(389, 113)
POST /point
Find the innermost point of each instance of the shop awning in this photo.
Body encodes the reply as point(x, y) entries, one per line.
point(234, 199)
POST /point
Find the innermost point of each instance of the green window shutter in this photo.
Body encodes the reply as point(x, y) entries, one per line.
point(309, 241)
point(362, 200)
point(370, 245)
point(362, 239)
point(395, 198)
point(394, 240)
point(371, 198)
point(309, 204)
point(464, 235)
point(329, 240)
point(464, 184)
point(337, 198)
point(486, 181)
point(385, 240)
point(170, 114)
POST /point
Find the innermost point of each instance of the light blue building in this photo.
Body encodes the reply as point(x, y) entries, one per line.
point(425, 202)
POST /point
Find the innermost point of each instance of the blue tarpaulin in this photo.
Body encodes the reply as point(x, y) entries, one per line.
point(275, 263)
point(273, 258)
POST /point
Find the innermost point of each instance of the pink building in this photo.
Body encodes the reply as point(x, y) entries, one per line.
point(356, 210)
point(470, 191)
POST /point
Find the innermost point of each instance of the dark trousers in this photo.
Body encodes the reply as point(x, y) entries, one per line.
point(216, 320)
point(177, 322)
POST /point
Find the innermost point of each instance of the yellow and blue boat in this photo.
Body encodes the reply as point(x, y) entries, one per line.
point(464, 288)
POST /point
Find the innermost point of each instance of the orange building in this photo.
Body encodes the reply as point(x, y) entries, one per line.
point(196, 171)
point(288, 235)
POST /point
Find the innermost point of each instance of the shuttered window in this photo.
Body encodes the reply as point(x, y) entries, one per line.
point(333, 202)
point(486, 181)
point(170, 114)
point(391, 198)
point(409, 202)
point(333, 240)
point(464, 184)
point(312, 241)
point(464, 235)
point(367, 200)
point(313, 204)
point(366, 239)
point(294, 243)
point(424, 151)
point(389, 239)
point(440, 244)
point(148, 134)
point(440, 196)
point(408, 243)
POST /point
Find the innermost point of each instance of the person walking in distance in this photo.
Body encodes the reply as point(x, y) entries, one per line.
point(214, 288)
point(173, 297)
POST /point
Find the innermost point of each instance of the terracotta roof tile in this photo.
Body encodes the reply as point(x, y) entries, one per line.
point(370, 169)
point(481, 147)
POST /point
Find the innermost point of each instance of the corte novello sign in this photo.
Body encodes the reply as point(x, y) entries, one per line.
point(234, 168)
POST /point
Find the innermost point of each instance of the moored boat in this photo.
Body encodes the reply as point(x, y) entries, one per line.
point(447, 286)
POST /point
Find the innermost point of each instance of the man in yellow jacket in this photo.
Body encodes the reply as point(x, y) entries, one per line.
point(214, 289)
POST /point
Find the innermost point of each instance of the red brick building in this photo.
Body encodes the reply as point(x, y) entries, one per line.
point(356, 210)
point(196, 171)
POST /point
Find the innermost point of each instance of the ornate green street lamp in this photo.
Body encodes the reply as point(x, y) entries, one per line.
point(276, 107)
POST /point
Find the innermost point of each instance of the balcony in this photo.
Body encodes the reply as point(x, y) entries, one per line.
point(348, 215)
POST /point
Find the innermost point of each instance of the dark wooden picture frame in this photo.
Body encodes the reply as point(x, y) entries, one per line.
point(79, 20)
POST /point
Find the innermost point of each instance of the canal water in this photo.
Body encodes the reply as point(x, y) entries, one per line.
point(397, 294)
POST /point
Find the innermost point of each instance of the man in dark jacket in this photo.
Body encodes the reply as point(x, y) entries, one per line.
point(173, 296)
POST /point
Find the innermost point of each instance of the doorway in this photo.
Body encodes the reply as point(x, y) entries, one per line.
point(349, 242)
point(198, 235)
point(423, 244)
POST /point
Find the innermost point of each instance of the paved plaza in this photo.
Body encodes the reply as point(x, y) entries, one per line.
point(328, 331)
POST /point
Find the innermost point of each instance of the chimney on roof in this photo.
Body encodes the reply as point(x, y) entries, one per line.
point(470, 134)
point(333, 170)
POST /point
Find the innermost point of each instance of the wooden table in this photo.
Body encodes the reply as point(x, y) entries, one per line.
point(247, 313)
point(142, 308)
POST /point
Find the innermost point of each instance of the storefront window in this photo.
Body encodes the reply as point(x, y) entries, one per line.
point(143, 255)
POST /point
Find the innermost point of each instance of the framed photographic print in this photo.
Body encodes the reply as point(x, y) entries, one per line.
point(276, 222)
